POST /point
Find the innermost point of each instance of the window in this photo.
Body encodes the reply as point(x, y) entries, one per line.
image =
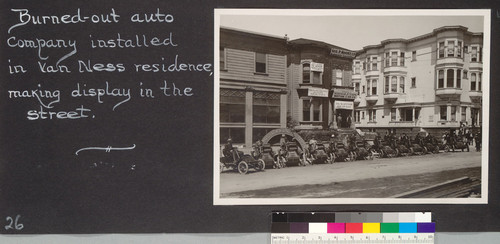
point(357, 116)
point(266, 107)
point(363, 115)
point(356, 88)
point(387, 59)
point(480, 54)
point(372, 115)
point(368, 86)
point(393, 114)
point(414, 56)
point(357, 67)
point(441, 79)
point(413, 82)
point(450, 50)
point(232, 106)
point(459, 78)
point(386, 84)
point(402, 61)
point(311, 111)
point(363, 90)
point(306, 73)
point(453, 113)
point(401, 84)
point(449, 77)
point(236, 134)
point(316, 75)
point(473, 81)
point(222, 58)
point(479, 82)
point(441, 50)
point(464, 114)
point(374, 63)
point(374, 87)
point(260, 63)
point(306, 110)
point(443, 110)
point(459, 49)
point(394, 84)
point(465, 74)
point(474, 54)
point(338, 77)
point(394, 58)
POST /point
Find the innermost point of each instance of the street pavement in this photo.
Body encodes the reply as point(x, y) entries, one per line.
point(348, 171)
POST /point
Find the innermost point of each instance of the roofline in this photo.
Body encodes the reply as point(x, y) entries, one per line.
point(252, 33)
point(421, 37)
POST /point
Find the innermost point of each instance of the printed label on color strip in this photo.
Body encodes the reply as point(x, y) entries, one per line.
point(402, 238)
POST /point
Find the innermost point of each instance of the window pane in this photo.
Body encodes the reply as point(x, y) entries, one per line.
point(316, 77)
point(453, 113)
point(374, 63)
point(449, 78)
point(316, 106)
point(459, 49)
point(236, 134)
point(441, 49)
point(402, 61)
point(473, 54)
point(386, 59)
point(414, 55)
point(374, 87)
point(232, 105)
point(222, 58)
point(441, 79)
point(260, 63)
point(473, 82)
point(306, 75)
point(306, 110)
point(368, 86)
point(393, 114)
point(394, 58)
point(386, 84)
point(450, 49)
point(413, 82)
point(464, 113)
point(402, 84)
point(443, 110)
point(394, 84)
point(479, 82)
point(459, 78)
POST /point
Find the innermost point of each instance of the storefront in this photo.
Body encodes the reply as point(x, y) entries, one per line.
point(342, 100)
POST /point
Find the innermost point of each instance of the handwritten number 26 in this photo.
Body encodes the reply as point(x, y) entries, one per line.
point(14, 224)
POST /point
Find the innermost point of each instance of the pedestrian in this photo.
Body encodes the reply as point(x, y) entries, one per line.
point(339, 121)
point(478, 142)
point(349, 121)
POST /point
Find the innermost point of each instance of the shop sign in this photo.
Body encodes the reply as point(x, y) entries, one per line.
point(317, 92)
point(317, 67)
point(342, 53)
point(344, 105)
point(344, 93)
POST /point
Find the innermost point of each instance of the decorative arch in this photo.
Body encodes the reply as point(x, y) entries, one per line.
point(288, 132)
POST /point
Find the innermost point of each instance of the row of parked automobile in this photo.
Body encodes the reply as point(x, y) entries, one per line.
point(292, 154)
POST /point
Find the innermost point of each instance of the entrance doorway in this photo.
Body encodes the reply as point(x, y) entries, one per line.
point(344, 118)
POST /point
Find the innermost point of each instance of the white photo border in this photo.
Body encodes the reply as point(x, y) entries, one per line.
point(485, 13)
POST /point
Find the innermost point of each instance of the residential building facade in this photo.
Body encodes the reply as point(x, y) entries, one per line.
point(253, 88)
point(428, 83)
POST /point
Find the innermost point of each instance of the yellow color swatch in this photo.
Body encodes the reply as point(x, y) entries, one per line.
point(371, 227)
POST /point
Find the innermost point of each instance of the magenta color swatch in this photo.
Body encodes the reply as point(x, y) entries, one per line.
point(335, 228)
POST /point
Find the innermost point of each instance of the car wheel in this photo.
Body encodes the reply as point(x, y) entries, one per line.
point(243, 167)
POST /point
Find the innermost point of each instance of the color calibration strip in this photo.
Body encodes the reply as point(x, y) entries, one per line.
point(343, 227)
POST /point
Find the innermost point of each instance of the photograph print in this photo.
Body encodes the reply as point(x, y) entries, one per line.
point(351, 106)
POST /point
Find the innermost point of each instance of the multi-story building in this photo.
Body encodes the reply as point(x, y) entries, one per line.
point(427, 83)
point(319, 80)
point(253, 88)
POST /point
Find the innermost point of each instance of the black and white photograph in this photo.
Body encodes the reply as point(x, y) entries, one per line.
point(351, 106)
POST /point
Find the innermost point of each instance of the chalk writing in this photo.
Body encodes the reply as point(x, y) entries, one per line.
point(107, 149)
point(13, 224)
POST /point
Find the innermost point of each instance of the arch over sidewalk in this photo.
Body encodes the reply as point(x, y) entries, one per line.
point(286, 131)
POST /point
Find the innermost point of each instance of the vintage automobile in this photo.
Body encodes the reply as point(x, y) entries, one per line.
point(362, 151)
point(319, 156)
point(386, 151)
point(416, 148)
point(266, 153)
point(341, 153)
point(402, 148)
point(294, 155)
point(240, 162)
point(431, 144)
point(460, 144)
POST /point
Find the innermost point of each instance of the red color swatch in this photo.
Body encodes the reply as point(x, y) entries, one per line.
point(354, 228)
